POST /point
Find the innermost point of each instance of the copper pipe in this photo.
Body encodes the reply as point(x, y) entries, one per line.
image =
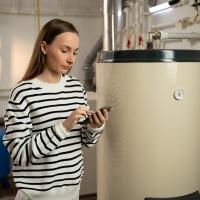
point(37, 15)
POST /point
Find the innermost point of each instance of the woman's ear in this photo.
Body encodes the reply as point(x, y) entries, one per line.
point(44, 47)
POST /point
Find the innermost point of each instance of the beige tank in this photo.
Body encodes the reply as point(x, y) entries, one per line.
point(151, 143)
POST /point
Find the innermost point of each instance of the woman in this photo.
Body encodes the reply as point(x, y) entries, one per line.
point(44, 119)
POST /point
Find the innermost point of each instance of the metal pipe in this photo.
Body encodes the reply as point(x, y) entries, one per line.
point(88, 65)
point(107, 19)
point(93, 53)
point(112, 17)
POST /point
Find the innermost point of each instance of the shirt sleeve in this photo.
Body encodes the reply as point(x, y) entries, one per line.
point(89, 135)
point(23, 145)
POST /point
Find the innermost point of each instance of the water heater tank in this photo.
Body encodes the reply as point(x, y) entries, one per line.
point(151, 143)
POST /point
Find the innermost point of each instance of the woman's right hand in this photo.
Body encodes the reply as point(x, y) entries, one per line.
point(75, 116)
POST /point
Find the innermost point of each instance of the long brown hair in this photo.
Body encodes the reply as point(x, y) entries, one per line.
point(49, 31)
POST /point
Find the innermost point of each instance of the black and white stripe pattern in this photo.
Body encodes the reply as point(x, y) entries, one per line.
point(44, 156)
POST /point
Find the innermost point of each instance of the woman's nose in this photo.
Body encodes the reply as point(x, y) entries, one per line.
point(71, 58)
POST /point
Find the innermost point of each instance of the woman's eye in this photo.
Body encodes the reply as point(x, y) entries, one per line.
point(75, 53)
point(66, 51)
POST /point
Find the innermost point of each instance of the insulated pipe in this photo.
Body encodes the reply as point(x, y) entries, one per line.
point(166, 35)
point(184, 22)
point(163, 26)
point(118, 13)
point(162, 35)
point(146, 20)
point(126, 12)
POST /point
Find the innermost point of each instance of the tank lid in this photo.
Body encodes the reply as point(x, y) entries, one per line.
point(153, 55)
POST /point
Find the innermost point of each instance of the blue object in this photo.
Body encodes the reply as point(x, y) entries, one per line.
point(4, 162)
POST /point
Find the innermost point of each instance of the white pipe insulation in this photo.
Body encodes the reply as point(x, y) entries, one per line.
point(184, 22)
point(166, 35)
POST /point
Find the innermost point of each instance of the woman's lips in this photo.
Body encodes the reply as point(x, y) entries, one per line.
point(66, 67)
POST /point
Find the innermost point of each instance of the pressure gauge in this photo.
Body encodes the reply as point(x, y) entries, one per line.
point(179, 94)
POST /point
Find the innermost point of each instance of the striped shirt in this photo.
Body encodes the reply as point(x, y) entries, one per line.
point(45, 157)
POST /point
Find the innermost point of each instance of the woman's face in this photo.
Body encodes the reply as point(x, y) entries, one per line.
point(61, 53)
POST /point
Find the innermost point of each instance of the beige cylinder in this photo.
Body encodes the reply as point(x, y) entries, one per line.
point(151, 143)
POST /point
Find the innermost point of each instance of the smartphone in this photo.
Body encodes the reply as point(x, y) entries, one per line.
point(108, 108)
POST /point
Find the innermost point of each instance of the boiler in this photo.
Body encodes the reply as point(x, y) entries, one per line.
point(151, 143)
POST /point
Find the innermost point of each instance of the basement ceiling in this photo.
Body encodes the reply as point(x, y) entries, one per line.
point(55, 7)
